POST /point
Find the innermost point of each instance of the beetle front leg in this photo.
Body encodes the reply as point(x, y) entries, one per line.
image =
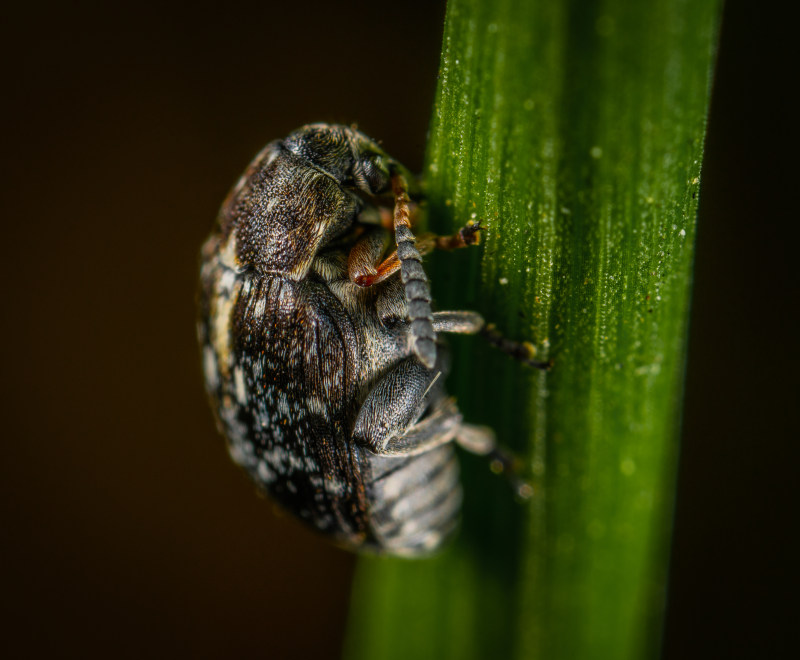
point(364, 267)
point(468, 235)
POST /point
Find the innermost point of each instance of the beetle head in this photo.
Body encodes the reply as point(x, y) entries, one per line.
point(349, 156)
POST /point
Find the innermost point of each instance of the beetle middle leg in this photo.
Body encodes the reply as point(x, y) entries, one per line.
point(472, 323)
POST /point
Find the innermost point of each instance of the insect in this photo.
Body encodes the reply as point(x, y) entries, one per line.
point(320, 348)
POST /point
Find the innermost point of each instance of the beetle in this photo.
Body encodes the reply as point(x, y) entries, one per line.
point(321, 354)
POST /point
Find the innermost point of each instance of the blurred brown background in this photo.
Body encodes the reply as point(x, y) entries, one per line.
point(126, 531)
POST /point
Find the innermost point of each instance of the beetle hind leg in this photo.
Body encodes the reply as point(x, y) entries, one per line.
point(481, 440)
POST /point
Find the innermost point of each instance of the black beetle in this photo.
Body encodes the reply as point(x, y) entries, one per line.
point(321, 356)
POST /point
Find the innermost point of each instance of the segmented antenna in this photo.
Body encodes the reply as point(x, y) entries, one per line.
point(417, 289)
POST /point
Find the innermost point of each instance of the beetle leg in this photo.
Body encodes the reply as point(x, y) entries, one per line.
point(387, 216)
point(362, 263)
point(472, 323)
point(415, 282)
point(482, 441)
point(460, 323)
point(521, 351)
point(468, 235)
point(438, 428)
point(387, 422)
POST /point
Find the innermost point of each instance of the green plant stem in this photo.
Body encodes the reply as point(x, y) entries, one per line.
point(574, 132)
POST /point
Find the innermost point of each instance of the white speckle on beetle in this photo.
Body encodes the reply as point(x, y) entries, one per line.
point(226, 281)
point(265, 473)
point(210, 366)
point(260, 308)
point(240, 388)
point(335, 486)
point(227, 256)
point(283, 405)
point(316, 406)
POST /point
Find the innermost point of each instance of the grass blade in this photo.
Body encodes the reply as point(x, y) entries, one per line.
point(574, 131)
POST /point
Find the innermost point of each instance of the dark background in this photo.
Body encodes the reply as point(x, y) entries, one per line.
point(126, 531)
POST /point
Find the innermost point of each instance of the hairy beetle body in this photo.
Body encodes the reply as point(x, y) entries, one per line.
point(321, 360)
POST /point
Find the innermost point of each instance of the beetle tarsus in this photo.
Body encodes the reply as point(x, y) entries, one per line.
point(521, 351)
point(481, 440)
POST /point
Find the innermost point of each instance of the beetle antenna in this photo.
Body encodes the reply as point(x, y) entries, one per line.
point(417, 288)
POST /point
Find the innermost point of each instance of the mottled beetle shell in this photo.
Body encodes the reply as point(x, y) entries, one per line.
point(312, 377)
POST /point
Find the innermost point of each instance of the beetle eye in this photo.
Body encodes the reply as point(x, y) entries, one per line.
point(375, 174)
